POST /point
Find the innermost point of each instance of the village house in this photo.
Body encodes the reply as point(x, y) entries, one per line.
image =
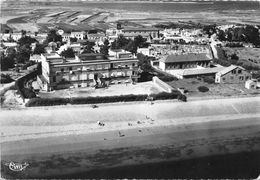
point(232, 74)
point(147, 33)
point(78, 35)
point(65, 37)
point(86, 70)
point(97, 37)
point(184, 61)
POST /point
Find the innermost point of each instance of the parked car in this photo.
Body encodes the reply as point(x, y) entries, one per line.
point(94, 106)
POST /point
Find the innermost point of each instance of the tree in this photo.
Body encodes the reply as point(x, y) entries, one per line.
point(23, 53)
point(26, 40)
point(120, 43)
point(39, 49)
point(144, 62)
point(6, 63)
point(89, 47)
point(53, 36)
point(104, 48)
point(73, 39)
point(69, 53)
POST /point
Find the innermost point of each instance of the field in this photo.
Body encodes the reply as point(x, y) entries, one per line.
point(245, 54)
point(215, 90)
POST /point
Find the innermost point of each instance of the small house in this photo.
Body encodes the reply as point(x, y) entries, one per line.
point(232, 74)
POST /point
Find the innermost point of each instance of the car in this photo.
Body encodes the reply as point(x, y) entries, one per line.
point(94, 106)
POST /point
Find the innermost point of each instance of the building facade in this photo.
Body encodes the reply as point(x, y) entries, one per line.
point(86, 70)
point(233, 74)
point(184, 61)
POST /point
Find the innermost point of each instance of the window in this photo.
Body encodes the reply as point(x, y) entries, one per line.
point(233, 71)
point(133, 64)
point(239, 71)
point(241, 78)
point(54, 78)
point(126, 66)
point(247, 77)
point(70, 68)
point(62, 70)
point(223, 79)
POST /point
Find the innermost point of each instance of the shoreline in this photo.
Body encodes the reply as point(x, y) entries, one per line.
point(172, 131)
point(182, 143)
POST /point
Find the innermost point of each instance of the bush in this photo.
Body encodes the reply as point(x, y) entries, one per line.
point(203, 89)
point(28, 93)
point(182, 97)
point(5, 78)
point(209, 80)
point(103, 99)
point(165, 95)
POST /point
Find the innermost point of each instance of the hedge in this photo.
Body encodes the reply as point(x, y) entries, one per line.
point(101, 99)
point(203, 88)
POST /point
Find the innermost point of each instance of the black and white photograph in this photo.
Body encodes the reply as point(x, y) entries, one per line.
point(130, 89)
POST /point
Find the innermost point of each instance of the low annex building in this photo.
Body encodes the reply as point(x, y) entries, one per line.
point(86, 70)
point(232, 74)
point(184, 61)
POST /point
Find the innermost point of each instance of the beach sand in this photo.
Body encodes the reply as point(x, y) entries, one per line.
point(67, 140)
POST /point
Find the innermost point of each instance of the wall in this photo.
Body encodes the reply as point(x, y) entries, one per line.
point(164, 86)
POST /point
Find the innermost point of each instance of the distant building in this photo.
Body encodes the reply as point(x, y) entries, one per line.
point(78, 35)
point(35, 58)
point(98, 37)
point(86, 70)
point(146, 33)
point(233, 74)
point(184, 61)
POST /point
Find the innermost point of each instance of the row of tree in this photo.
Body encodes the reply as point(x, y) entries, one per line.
point(128, 44)
point(247, 34)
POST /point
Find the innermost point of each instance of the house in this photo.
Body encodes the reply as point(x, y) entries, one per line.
point(252, 84)
point(184, 61)
point(35, 58)
point(146, 33)
point(65, 37)
point(78, 35)
point(232, 74)
point(98, 37)
point(86, 70)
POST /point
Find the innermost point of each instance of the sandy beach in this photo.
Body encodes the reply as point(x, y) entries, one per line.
point(67, 140)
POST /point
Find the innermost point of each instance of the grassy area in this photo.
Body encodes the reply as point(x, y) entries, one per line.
point(192, 85)
point(248, 55)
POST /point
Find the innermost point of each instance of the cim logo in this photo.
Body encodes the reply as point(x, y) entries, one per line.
point(16, 166)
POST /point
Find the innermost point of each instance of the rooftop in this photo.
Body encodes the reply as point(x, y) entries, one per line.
point(228, 69)
point(190, 72)
point(140, 29)
point(185, 57)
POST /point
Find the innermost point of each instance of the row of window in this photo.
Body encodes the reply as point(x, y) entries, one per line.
point(91, 76)
point(239, 71)
point(241, 78)
point(98, 67)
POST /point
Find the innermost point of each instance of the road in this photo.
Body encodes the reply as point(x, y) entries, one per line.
point(68, 139)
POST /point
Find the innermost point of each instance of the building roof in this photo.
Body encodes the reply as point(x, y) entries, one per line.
point(193, 72)
point(228, 69)
point(140, 29)
point(185, 58)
